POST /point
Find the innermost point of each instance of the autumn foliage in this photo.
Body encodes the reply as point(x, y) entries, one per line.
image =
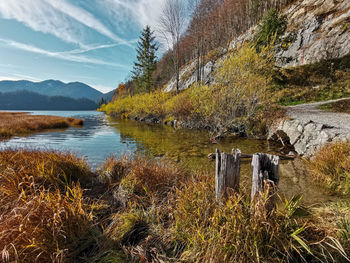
point(214, 24)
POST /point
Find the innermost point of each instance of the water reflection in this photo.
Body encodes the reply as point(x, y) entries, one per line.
point(103, 136)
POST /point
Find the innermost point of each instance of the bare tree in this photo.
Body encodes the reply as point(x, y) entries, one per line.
point(171, 26)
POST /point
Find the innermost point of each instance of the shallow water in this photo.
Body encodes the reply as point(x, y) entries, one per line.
point(103, 136)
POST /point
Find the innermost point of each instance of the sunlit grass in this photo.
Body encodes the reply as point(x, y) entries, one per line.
point(21, 123)
point(331, 165)
point(43, 212)
point(54, 209)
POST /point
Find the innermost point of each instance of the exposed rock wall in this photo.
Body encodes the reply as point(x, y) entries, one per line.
point(317, 30)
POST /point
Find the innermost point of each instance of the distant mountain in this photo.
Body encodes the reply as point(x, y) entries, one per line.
point(26, 100)
point(107, 96)
point(75, 90)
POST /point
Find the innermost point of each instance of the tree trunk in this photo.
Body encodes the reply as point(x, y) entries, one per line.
point(265, 178)
point(227, 174)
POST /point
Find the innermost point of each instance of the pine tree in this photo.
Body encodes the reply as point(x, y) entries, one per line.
point(146, 61)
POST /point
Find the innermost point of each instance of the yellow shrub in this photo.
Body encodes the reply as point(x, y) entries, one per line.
point(139, 105)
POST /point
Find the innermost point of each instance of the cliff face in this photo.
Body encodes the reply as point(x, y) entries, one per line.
point(317, 30)
point(320, 29)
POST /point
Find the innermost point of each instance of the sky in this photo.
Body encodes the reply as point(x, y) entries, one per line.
point(91, 41)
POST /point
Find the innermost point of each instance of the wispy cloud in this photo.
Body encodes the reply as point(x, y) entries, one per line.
point(14, 77)
point(144, 12)
point(42, 17)
point(89, 48)
point(85, 18)
point(56, 17)
point(59, 55)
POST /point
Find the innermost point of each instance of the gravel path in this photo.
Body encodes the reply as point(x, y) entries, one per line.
point(310, 112)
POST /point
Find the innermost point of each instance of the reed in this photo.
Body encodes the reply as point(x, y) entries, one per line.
point(21, 123)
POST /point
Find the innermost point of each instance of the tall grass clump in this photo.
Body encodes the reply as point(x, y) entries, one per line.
point(145, 197)
point(44, 216)
point(165, 215)
point(234, 232)
point(331, 165)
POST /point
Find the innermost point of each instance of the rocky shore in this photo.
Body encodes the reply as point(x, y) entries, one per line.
point(308, 128)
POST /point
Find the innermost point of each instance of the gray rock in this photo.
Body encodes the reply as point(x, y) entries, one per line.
point(312, 128)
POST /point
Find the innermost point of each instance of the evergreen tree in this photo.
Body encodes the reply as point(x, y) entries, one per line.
point(146, 61)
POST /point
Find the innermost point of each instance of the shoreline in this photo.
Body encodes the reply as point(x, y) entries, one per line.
point(23, 124)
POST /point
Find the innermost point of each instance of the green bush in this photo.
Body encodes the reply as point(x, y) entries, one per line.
point(270, 29)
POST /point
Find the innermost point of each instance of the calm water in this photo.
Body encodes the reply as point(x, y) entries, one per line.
point(103, 136)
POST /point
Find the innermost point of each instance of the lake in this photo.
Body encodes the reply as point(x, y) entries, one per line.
point(102, 136)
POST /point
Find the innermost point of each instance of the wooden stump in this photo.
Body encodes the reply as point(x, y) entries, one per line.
point(227, 174)
point(265, 177)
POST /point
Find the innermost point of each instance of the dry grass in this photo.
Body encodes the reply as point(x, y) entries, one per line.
point(339, 106)
point(21, 123)
point(320, 81)
point(42, 209)
point(331, 165)
point(53, 209)
point(166, 216)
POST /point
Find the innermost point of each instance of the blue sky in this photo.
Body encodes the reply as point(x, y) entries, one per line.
point(92, 41)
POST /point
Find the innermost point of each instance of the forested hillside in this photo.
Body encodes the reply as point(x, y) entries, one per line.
point(25, 100)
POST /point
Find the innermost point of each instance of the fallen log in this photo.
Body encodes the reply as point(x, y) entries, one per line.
point(212, 156)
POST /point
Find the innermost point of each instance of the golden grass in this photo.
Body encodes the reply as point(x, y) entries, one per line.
point(21, 123)
point(167, 216)
point(331, 165)
point(42, 209)
point(54, 209)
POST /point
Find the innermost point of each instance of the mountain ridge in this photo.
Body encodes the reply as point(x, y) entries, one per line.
point(28, 100)
point(52, 88)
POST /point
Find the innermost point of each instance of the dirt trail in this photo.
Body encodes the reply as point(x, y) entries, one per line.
point(311, 112)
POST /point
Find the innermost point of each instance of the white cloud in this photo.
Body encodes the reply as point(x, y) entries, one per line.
point(59, 55)
point(42, 17)
point(85, 18)
point(102, 88)
point(15, 77)
point(144, 12)
point(56, 17)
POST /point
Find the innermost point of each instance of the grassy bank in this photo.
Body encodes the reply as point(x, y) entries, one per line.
point(54, 209)
point(21, 123)
point(325, 80)
point(339, 106)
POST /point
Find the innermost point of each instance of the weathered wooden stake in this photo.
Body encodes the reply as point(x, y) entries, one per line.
point(227, 174)
point(265, 174)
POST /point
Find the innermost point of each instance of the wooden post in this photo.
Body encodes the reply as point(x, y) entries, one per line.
point(227, 173)
point(265, 174)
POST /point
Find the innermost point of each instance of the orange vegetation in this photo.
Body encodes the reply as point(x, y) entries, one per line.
point(21, 123)
point(54, 209)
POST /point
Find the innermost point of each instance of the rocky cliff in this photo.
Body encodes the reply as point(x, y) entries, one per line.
point(317, 30)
